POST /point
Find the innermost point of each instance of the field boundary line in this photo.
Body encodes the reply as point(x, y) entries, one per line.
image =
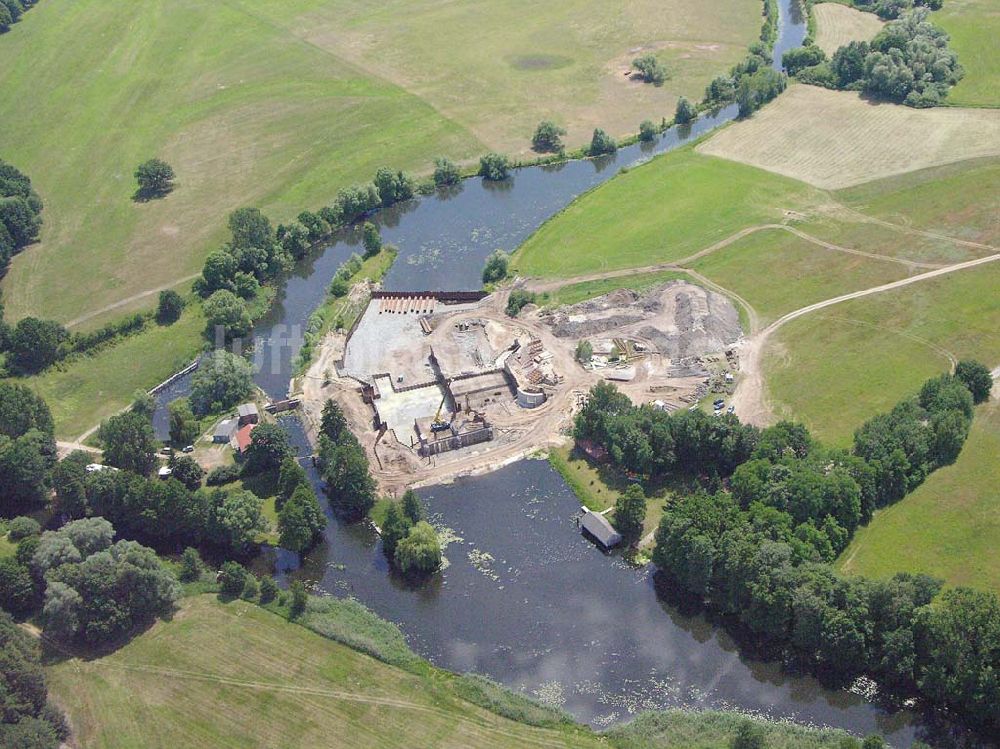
point(866, 218)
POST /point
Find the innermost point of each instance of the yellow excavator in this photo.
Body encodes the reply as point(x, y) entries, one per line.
point(439, 424)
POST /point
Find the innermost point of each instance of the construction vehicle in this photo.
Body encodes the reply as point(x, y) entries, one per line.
point(439, 424)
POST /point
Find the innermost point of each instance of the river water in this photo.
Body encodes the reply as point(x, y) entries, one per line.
point(525, 599)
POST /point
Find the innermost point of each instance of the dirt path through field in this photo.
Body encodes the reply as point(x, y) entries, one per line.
point(750, 398)
point(128, 300)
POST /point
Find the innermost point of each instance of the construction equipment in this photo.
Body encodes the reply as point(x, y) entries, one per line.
point(440, 425)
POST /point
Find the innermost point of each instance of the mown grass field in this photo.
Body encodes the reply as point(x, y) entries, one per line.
point(837, 367)
point(836, 139)
point(777, 272)
point(236, 675)
point(959, 200)
point(246, 112)
point(499, 68)
point(86, 390)
point(950, 526)
point(837, 24)
point(974, 27)
point(279, 105)
point(662, 211)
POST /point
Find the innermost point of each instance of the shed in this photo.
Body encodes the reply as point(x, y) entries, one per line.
point(225, 430)
point(248, 414)
point(598, 526)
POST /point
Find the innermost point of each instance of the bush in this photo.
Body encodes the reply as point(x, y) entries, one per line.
point(232, 579)
point(494, 167)
point(420, 552)
point(268, 590)
point(601, 143)
point(799, 58)
point(338, 287)
point(299, 599)
point(584, 352)
point(223, 475)
point(518, 300)
point(446, 173)
point(22, 527)
point(496, 267)
point(977, 378)
point(647, 131)
point(251, 589)
point(190, 565)
point(170, 306)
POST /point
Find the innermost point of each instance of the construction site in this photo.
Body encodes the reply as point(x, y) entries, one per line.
point(438, 384)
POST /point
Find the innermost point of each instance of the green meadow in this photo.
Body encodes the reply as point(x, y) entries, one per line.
point(662, 211)
point(837, 367)
point(974, 27)
point(950, 526)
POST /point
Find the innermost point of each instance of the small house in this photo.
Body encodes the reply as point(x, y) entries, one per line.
point(248, 414)
point(598, 526)
point(243, 438)
point(225, 430)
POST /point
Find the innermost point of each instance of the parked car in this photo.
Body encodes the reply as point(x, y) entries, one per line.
point(731, 410)
point(719, 403)
point(189, 449)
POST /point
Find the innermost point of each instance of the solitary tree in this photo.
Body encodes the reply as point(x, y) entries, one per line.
point(299, 599)
point(190, 565)
point(395, 527)
point(155, 178)
point(651, 70)
point(221, 381)
point(170, 307)
point(548, 137)
point(232, 578)
point(333, 423)
point(647, 131)
point(35, 344)
point(584, 352)
point(268, 448)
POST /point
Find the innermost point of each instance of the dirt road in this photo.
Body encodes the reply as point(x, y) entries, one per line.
point(750, 399)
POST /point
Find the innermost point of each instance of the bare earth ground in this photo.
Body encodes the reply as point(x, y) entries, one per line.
point(836, 25)
point(835, 139)
point(679, 319)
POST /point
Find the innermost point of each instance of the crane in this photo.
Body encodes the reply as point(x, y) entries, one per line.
point(439, 425)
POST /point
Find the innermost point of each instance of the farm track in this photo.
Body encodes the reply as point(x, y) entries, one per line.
point(750, 399)
point(128, 300)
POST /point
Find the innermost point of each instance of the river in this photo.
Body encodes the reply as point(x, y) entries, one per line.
point(525, 599)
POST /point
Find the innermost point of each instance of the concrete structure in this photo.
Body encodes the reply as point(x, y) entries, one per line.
point(462, 432)
point(225, 430)
point(598, 526)
point(164, 472)
point(248, 414)
point(475, 392)
point(621, 374)
point(530, 397)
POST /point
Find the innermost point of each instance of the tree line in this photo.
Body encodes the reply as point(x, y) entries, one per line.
point(11, 12)
point(775, 508)
point(907, 62)
point(409, 542)
point(20, 206)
